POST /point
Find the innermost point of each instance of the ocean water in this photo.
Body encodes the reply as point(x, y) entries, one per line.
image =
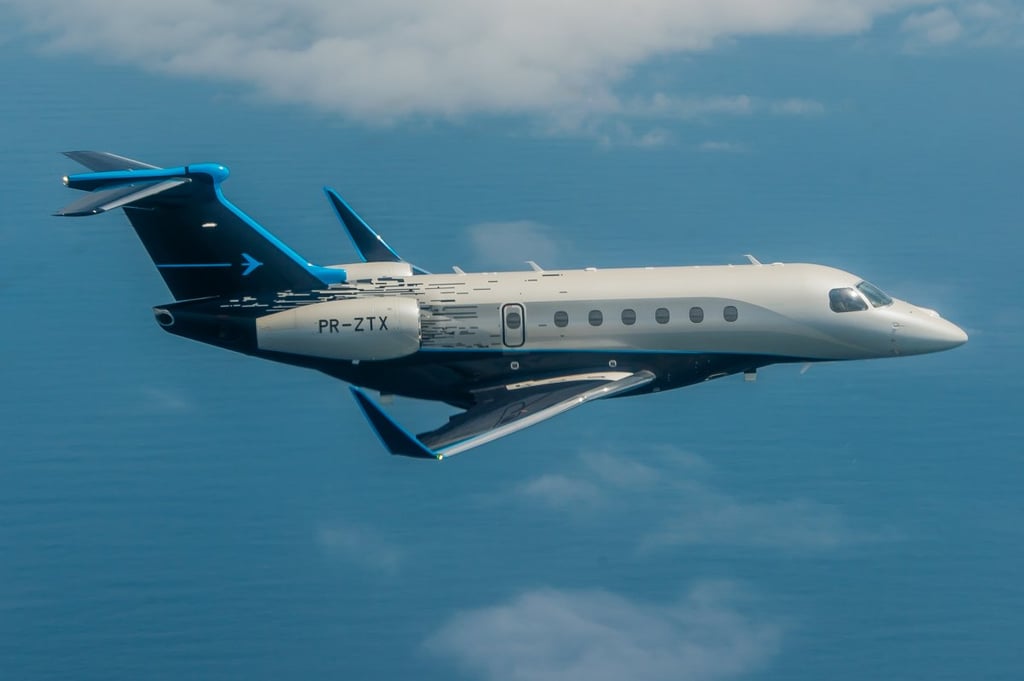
point(170, 510)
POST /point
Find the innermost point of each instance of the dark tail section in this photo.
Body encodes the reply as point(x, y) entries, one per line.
point(202, 245)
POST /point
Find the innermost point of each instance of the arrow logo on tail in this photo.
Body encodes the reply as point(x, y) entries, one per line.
point(250, 264)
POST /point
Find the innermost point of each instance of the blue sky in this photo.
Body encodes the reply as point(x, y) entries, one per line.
point(174, 510)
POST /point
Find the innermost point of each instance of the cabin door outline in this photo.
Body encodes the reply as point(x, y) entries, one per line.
point(513, 325)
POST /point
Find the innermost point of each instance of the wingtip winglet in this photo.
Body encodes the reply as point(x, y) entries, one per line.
point(370, 246)
point(395, 438)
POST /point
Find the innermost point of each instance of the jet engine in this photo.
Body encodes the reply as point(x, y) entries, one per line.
point(370, 328)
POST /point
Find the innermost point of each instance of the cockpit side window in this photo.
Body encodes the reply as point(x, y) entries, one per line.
point(846, 300)
point(875, 295)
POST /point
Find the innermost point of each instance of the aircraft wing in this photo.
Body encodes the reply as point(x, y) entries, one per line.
point(499, 411)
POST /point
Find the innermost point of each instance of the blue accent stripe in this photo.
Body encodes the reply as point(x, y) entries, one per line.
point(197, 264)
point(256, 227)
point(326, 275)
point(502, 350)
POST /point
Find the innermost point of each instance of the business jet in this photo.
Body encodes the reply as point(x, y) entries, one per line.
point(508, 349)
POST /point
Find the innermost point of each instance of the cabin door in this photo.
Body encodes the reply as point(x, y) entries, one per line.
point(513, 325)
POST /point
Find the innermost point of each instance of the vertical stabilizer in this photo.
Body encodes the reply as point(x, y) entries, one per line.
point(202, 245)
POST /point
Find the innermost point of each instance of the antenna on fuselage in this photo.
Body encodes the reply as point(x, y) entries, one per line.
point(534, 266)
point(752, 259)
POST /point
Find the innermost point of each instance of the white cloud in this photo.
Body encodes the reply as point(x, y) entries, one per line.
point(560, 491)
point(548, 635)
point(796, 106)
point(996, 23)
point(722, 147)
point(662, 105)
point(686, 508)
point(360, 546)
point(701, 515)
point(165, 400)
point(383, 61)
point(607, 129)
point(654, 138)
point(935, 27)
point(511, 244)
point(621, 472)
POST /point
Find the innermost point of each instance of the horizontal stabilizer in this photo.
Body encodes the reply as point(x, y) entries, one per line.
point(102, 200)
point(99, 161)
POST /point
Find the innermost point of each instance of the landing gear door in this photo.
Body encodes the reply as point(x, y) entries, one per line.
point(513, 325)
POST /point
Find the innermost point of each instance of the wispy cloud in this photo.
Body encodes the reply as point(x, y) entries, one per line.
point(385, 61)
point(672, 107)
point(993, 23)
point(549, 634)
point(560, 491)
point(796, 106)
point(360, 546)
point(701, 515)
point(685, 508)
point(721, 147)
point(165, 400)
point(512, 243)
point(935, 27)
point(645, 121)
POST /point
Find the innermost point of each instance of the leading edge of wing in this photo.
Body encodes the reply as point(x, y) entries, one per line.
point(400, 441)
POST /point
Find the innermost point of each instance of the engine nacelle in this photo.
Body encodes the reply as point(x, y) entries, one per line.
point(371, 328)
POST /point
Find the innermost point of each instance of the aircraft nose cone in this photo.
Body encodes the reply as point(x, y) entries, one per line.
point(926, 333)
point(956, 336)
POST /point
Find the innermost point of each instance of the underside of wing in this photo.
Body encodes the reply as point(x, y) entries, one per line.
point(102, 200)
point(500, 411)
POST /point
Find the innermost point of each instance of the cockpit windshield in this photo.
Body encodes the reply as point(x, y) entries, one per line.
point(852, 299)
point(875, 295)
point(846, 300)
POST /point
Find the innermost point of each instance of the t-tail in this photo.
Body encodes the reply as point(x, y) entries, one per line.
point(202, 245)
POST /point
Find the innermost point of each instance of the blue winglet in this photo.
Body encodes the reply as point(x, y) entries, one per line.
point(369, 244)
point(396, 438)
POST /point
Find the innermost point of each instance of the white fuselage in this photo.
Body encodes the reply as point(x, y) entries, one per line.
point(778, 310)
point(773, 309)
